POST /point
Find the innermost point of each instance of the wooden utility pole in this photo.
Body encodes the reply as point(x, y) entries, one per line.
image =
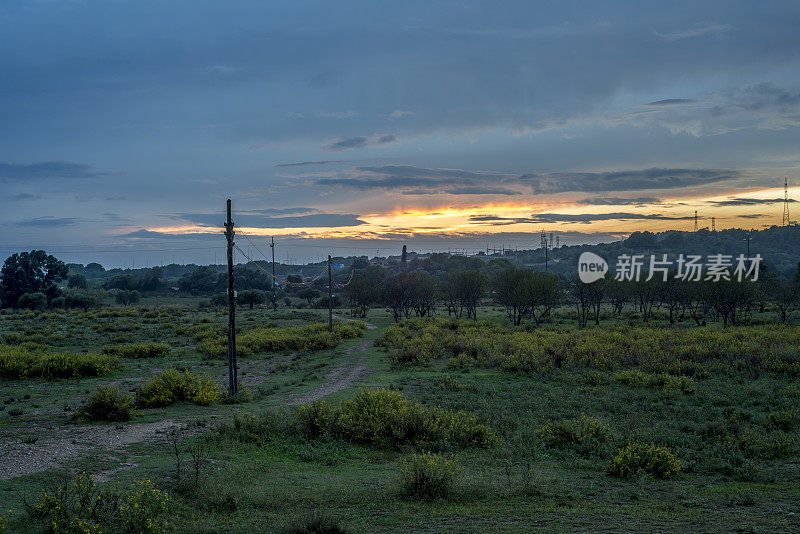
point(330, 296)
point(232, 382)
point(272, 246)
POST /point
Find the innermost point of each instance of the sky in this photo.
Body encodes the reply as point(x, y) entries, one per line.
point(357, 127)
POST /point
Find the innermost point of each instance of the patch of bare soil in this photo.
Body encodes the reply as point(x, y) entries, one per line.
point(340, 377)
point(343, 318)
point(67, 442)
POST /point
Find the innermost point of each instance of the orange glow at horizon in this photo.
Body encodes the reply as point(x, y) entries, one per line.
point(460, 220)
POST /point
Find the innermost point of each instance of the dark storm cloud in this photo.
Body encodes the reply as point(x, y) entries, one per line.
point(586, 218)
point(284, 211)
point(47, 169)
point(751, 216)
point(49, 222)
point(625, 180)
point(150, 234)
point(316, 220)
point(24, 196)
point(616, 201)
point(672, 102)
point(360, 142)
point(466, 190)
point(747, 201)
point(417, 179)
point(311, 163)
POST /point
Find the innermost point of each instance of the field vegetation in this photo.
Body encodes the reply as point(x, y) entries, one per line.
point(432, 408)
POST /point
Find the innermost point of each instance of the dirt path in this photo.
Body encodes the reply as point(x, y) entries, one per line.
point(341, 377)
point(18, 458)
point(68, 442)
point(343, 318)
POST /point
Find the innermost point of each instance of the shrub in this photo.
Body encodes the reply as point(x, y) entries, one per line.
point(314, 523)
point(636, 378)
point(248, 428)
point(80, 506)
point(637, 459)
point(32, 301)
point(428, 476)
point(30, 360)
point(138, 350)
point(310, 337)
point(672, 351)
point(582, 433)
point(127, 297)
point(384, 417)
point(106, 404)
point(314, 418)
point(784, 419)
point(770, 446)
point(175, 385)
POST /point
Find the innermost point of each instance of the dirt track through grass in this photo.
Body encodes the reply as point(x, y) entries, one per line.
point(340, 377)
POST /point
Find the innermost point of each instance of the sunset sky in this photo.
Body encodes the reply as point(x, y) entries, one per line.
point(356, 127)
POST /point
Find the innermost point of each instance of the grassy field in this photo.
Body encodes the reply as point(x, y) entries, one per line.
point(579, 437)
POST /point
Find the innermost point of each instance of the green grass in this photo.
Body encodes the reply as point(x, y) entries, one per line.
point(734, 432)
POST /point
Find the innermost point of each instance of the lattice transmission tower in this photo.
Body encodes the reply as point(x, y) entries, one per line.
point(785, 221)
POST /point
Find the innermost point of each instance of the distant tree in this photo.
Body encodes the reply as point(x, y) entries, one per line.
point(32, 301)
point(360, 263)
point(617, 292)
point(463, 291)
point(83, 298)
point(127, 297)
point(308, 293)
point(579, 295)
point(730, 299)
point(646, 295)
point(361, 294)
point(423, 293)
point(125, 282)
point(203, 280)
point(512, 289)
point(274, 297)
point(94, 267)
point(690, 295)
point(397, 295)
point(76, 281)
point(784, 294)
point(152, 280)
point(544, 292)
point(30, 272)
point(251, 297)
point(671, 295)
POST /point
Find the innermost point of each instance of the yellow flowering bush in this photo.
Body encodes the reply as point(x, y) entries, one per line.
point(582, 433)
point(671, 351)
point(770, 446)
point(174, 385)
point(385, 417)
point(636, 378)
point(638, 459)
point(138, 350)
point(81, 506)
point(31, 360)
point(106, 404)
point(428, 476)
point(314, 336)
